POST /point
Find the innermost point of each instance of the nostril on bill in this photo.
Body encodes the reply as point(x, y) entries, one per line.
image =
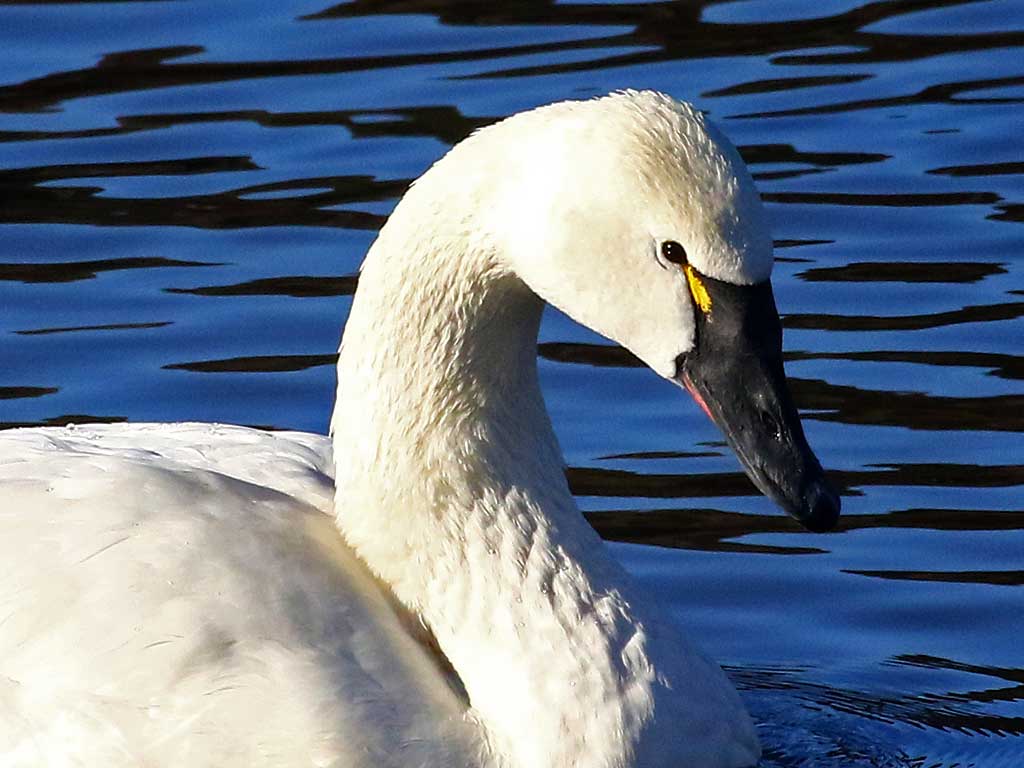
point(771, 425)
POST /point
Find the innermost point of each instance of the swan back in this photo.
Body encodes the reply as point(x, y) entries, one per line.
point(178, 595)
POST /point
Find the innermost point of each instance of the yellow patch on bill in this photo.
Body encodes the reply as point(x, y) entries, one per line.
point(700, 293)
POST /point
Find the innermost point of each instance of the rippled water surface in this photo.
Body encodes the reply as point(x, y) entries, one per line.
point(187, 189)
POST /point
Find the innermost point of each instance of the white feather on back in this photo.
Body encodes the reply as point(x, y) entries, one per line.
point(169, 606)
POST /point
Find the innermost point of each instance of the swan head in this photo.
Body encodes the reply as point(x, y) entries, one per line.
point(636, 216)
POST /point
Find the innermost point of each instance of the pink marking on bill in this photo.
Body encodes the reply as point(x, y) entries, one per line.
point(696, 396)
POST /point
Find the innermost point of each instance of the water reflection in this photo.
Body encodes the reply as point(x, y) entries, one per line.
point(1014, 676)
point(946, 93)
point(825, 401)
point(296, 286)
point(618, 483)
point(130, 71)
point(897, 200)
point(1009, 212)
point(260, 364)
point(1003, 578)
point(913, 410)
point(1001, 365)
point(814, 162)
point(987, 313)
point(721, 531)
point(70, 271)
point(88, 328)
point(62, 204)
point(445, 123)
point(941, 711)
point(10, 393)
point(904, 272)
point(985, 169)
point(662, 31)
point(678, 31)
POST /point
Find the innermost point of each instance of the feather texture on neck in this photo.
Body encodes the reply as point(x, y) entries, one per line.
point(450, 485)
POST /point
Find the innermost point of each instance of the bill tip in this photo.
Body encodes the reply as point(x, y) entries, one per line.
point(821, 507)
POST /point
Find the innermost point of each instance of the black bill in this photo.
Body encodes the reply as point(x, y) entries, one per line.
point(735, 373)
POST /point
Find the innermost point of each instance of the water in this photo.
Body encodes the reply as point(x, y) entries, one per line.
point(188, 188)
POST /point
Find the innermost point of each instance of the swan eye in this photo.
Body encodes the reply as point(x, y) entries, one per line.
point(673, 252)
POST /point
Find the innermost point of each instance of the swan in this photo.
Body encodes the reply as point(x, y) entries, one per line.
point(420, 589)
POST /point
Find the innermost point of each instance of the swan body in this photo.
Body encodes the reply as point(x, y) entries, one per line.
point(420, 588)
point(182, 598)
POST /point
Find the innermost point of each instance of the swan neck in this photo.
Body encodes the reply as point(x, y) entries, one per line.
point(450, 485)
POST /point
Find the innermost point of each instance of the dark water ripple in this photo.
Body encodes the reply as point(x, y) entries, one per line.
point(292, 285)
point(69, 272)
point(903, 272)
point(986, 313)
point(186, 191)
point(720, 530)
point(53, 204)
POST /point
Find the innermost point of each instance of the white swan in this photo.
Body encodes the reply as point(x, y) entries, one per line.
point(180, 595)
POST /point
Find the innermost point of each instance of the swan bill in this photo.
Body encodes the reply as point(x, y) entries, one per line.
point(735, 374)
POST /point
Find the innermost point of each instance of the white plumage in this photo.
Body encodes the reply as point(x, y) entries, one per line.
point(201, 595)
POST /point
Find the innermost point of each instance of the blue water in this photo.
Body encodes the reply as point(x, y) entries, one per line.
point(186, 189)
